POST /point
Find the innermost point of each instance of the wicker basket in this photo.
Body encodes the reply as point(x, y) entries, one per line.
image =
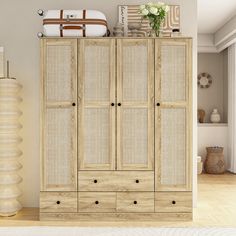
point(214, 163)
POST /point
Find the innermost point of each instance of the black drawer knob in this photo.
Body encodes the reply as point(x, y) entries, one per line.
point(158, 104)
point(96, 202)
point(73, 104)
point(119, 104)
point(112, 104)
point(173, 202)
point(58, 202)
point(137, 181)
point(135, 202)
point(95, 181)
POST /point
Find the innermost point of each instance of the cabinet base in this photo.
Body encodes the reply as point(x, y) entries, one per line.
point(116, 217)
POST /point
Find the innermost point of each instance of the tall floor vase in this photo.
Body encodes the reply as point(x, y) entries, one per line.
point(9, 150)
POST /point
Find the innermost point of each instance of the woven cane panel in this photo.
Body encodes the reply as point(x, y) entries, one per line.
point(173, 146)
point(96, 135)
point(97, 64)
point(135, 73)
point(59, 73)
point(58, 146)
point(173, 73)
point(135, 135)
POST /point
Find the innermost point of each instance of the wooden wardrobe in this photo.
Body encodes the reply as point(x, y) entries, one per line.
point(116, 129)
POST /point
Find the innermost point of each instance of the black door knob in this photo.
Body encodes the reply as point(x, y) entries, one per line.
point(135, 202)
point(95, 181)
point(113, 104)
point(137, 181)
point(173, 202)
point(58, 202)
point(119, 104)
point(158, 104)
point(73, 104)
point(96, 202)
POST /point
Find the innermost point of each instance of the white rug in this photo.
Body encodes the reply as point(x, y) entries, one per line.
point(85, 231)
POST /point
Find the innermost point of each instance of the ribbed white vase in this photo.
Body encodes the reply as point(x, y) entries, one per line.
point(9, 151)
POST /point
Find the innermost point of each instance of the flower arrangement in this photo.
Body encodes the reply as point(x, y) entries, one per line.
point(155, 13)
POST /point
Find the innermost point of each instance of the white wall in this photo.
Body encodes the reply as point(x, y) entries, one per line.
point(19, 25)
point(1, 62)
point(206, 43)
point(211, 136)
point(225, 31)
point(214, 96)
point(225, 84)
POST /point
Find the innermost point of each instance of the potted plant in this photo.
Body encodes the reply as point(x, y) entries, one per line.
point(155, 13)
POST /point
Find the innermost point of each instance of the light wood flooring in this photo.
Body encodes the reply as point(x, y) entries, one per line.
point(216, 207)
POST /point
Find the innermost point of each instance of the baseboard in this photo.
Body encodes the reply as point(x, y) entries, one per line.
point(109, 217)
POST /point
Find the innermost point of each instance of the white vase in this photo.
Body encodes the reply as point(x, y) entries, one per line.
point(215, 116)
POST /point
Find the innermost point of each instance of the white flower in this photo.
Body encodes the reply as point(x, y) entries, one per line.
point(142, 7)
point(145, 12)
point(167, 8)
point(153, 10)
point(150, 4)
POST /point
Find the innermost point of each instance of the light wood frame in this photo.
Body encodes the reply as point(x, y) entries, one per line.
point(187, 105)
point(149, 43)
point(116, 119)
point(44, 105)
point(82, 44)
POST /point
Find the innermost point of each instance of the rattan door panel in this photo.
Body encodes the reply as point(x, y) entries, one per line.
point(173, 73)
point(59, 146)
point(135, 136)
point(96, 114)
point(173, 115)
point(173, 146)
point(59, 70)
point(135, 110)
point(96, 136)
point(59, 115)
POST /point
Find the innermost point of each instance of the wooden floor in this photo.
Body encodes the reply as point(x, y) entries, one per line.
point(216, 207)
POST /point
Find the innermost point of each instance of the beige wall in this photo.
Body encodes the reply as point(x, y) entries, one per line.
point(1, 62)
point(214, 96)
point(225, 85)
point(19, 24)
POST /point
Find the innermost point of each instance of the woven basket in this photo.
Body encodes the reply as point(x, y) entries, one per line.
point(215, 163)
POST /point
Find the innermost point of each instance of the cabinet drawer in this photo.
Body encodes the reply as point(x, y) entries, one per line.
point(135, 202)
point(116, 180)
point(58, 202)
point(173, 201)
point(97, 202)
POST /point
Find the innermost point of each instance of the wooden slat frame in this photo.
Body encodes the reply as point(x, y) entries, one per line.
point(96, 104)
point(44, 105)
point(149, 43)
point(187, 105)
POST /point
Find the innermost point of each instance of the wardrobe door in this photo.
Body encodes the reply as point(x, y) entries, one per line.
point(173, 115)
point(135, 104)
point(96, 104)
point(59, 115)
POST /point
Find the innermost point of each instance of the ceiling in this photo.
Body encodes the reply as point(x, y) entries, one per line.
point(213, 14)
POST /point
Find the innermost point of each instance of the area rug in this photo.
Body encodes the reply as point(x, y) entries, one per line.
point(85, 231)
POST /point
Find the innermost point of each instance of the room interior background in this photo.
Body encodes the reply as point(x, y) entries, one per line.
point(19, 38)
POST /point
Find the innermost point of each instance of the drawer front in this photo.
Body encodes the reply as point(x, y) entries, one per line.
point(97, 202)
point(58, 202)
point(135, 202)
point(116, 181)
point(173, 202)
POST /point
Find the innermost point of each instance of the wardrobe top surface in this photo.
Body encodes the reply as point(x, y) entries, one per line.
point(163, 38)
